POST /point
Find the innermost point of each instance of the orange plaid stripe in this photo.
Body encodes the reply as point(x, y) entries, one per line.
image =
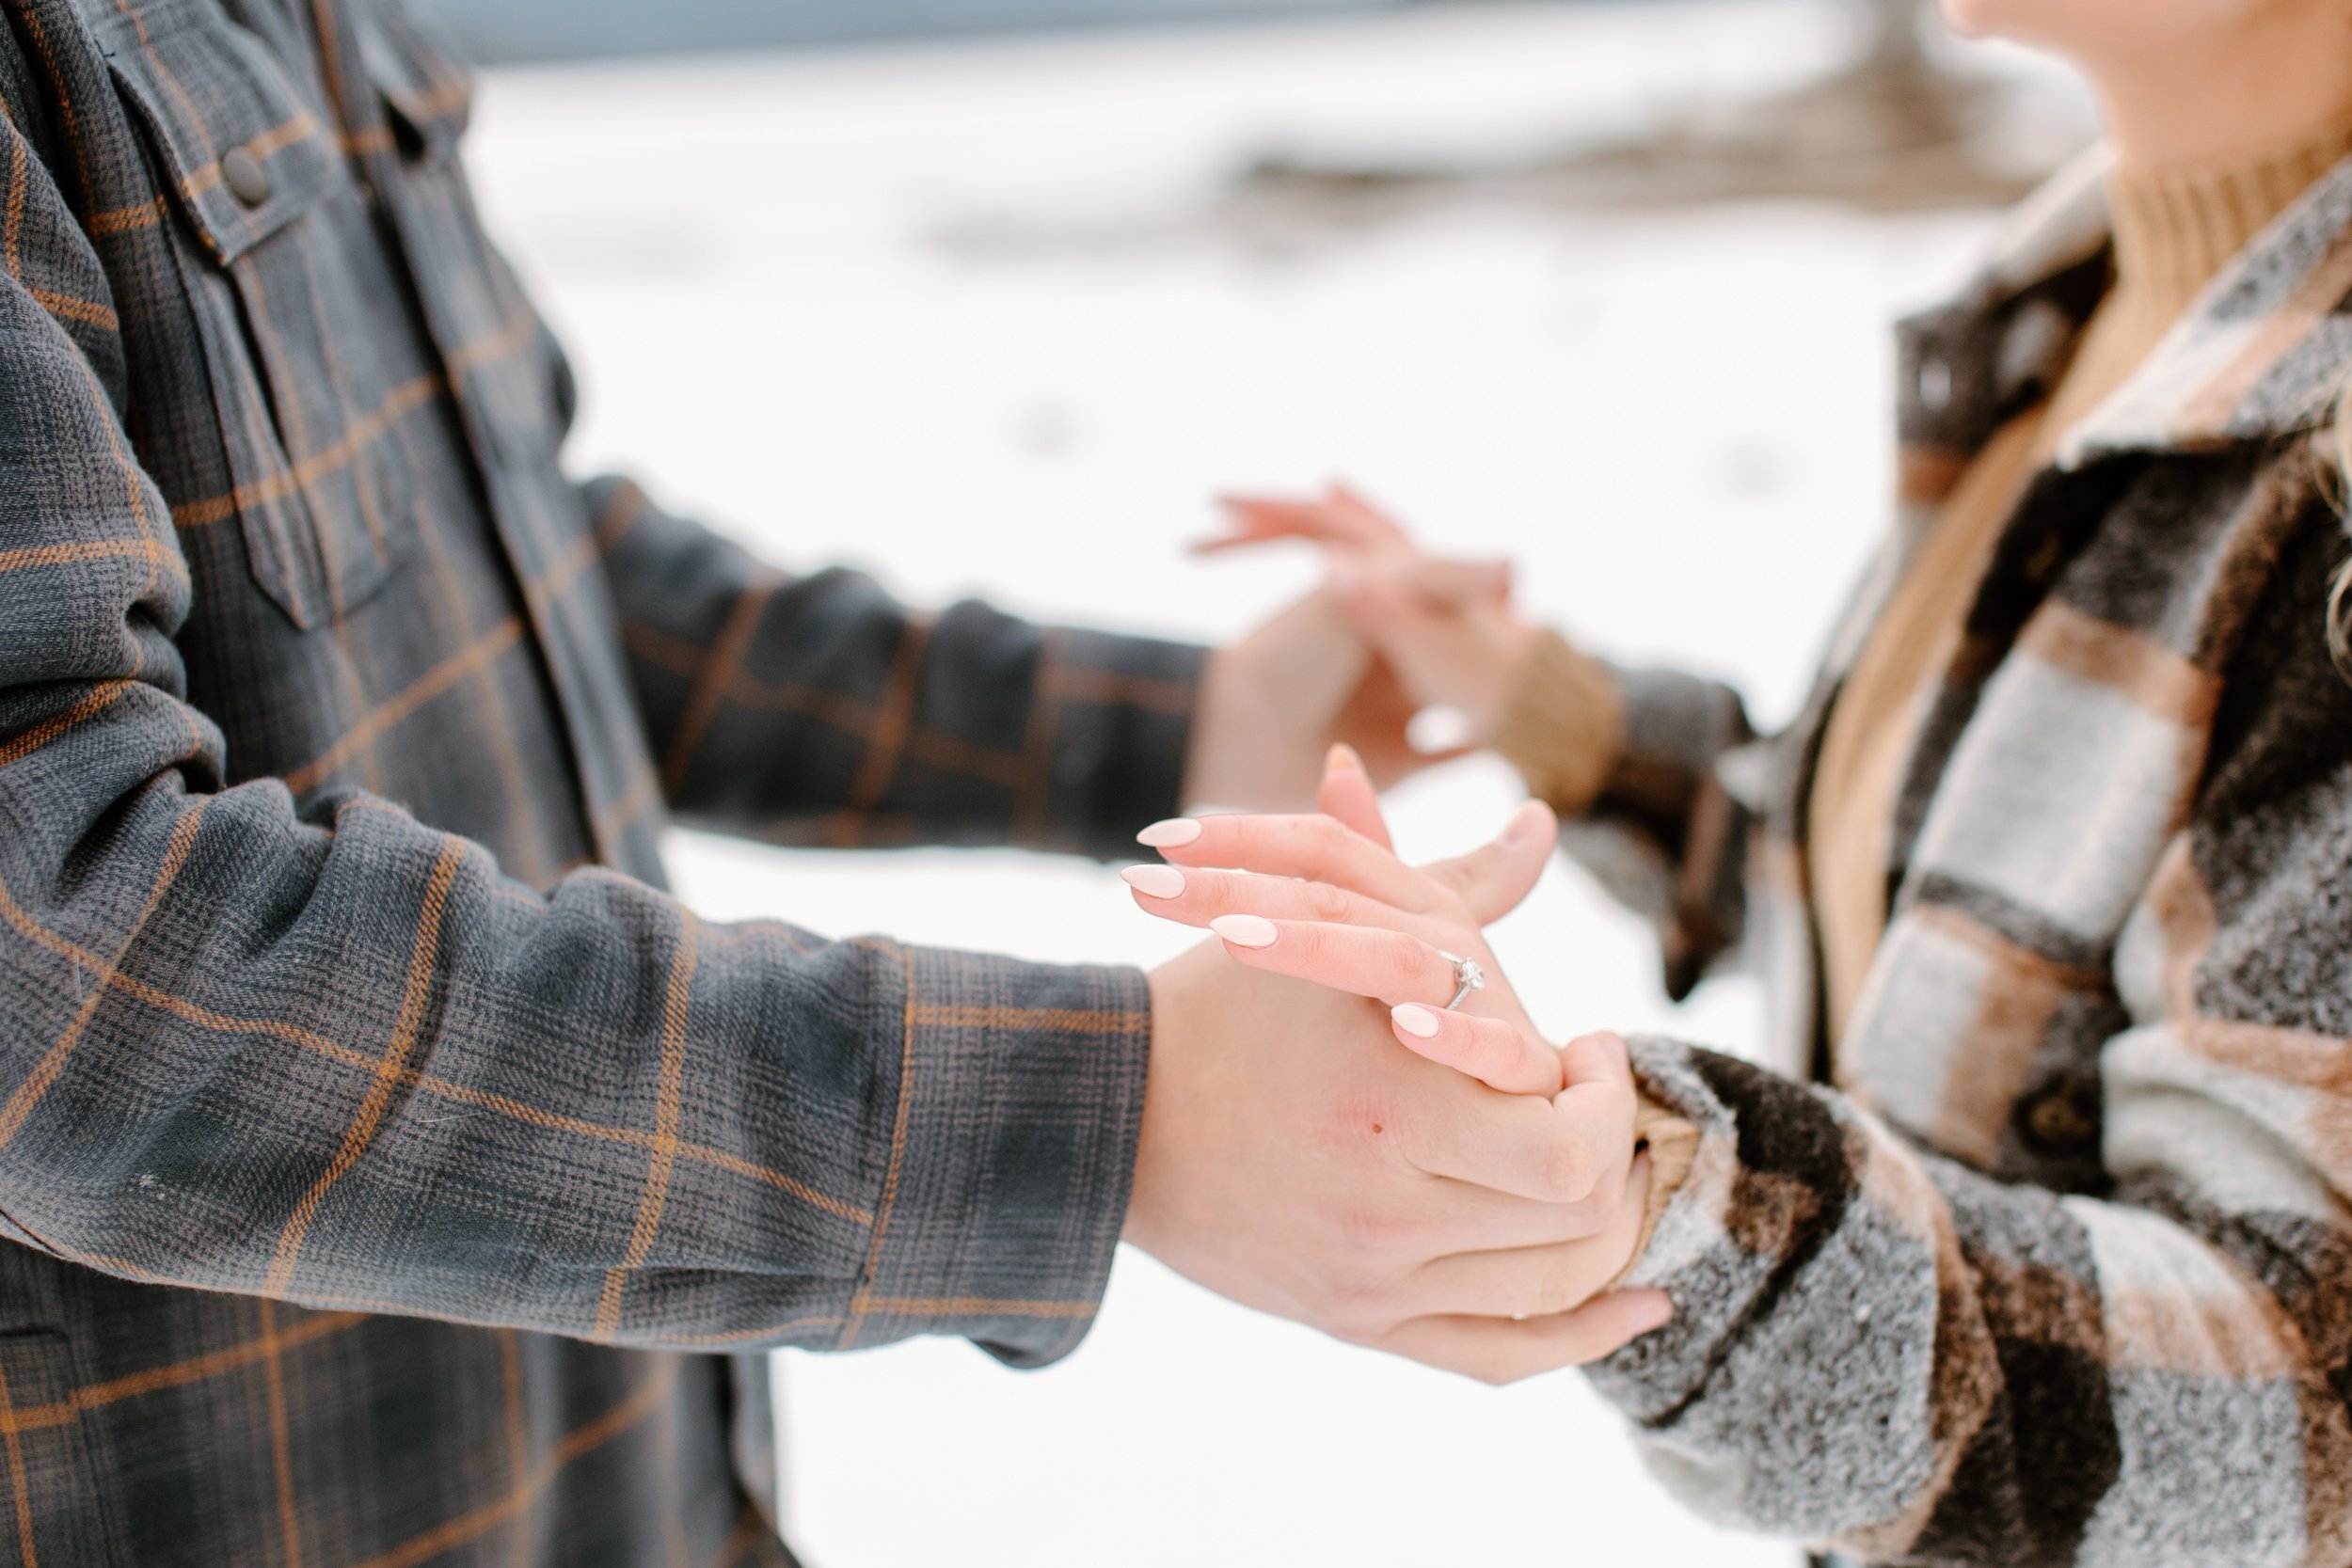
point(976, 1307)
point(88, 312)
point(466, 662)
point(206, 1018)
point(946, 753)
point(581, 1440)
point(388, 1071)
point(69, 555)
point(727, 651)
point(18, 1482)
point(680, 993)
point(101, 697)
point(47, 1071)
point(282, 1449)
point(858, 1304)
point(198, 1368)
point(362, 433)
point(1030, 1019)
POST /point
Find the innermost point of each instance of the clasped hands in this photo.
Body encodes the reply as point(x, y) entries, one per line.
point(1466, 1200)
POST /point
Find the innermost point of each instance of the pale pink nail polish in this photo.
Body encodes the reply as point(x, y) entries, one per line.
point(1524, 821)
point(1245, 930)
point(1154, 881)
point(1174, 833)
point(1420, 1022)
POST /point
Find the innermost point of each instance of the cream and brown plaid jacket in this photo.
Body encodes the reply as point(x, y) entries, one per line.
point(387, 1164)
point(2056, 1267)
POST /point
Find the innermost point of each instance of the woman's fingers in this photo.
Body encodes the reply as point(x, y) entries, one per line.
point(1348, 506)
point(1254, 519)
point(1347, 795)
point(1534, 1282)
point(1318, 847)
point(1600, 1105)
point(1499, 1350)
point(1378, 961)
point(1493, 878)
point(1496, 1051)
point(1521, 1144)
point(1191, 895)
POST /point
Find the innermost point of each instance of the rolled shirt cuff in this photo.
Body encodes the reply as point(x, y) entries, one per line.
point(1019, 1099)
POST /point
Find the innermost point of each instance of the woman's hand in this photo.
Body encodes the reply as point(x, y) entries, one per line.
point(1446, 628)
point(1324, 898)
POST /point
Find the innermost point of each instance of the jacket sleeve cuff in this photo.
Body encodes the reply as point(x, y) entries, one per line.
point(1564, 726)
point(1706, 1244)
point(1118, 714)
point(1012, 1154)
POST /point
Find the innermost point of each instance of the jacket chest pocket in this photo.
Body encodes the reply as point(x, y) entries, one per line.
point(61, 1515)
point(306, 331)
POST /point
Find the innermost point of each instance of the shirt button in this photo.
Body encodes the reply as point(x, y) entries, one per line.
point(249, 181)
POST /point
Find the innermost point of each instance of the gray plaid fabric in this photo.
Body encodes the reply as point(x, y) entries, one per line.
point(388, 1167)
point(2057, 1267)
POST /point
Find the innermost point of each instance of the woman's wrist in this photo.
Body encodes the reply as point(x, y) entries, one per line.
point(1562, 725)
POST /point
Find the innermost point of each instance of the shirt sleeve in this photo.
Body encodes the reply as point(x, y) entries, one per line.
point(817, 709)
point(334, 1057)
point(1896, 1353)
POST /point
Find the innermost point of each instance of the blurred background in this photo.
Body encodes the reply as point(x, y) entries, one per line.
point(989, 295)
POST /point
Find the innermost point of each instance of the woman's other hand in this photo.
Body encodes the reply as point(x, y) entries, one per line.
point(1447, 627)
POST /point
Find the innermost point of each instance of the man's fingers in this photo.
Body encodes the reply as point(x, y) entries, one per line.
point(1191, 895)
point(1496, 1051)
point(1386, 964)
point(1347, 795)
point(1498, 1350)
point(1493, 878)
point(1538, 1281)
point(1317, 847)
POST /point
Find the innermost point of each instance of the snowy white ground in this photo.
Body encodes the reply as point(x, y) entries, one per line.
point(1673, 420)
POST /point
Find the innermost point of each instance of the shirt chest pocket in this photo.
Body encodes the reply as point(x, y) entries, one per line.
point(311, 346)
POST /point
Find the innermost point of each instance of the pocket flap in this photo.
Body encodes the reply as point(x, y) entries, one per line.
point(244, 151)
point(427, 91)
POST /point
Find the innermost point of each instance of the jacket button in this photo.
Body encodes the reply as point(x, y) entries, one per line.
point(249, 181)
point(2055, 1121)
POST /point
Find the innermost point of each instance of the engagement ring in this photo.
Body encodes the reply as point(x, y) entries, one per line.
point(1468, 978)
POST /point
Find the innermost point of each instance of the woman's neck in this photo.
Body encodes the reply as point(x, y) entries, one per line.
point(2176, 102)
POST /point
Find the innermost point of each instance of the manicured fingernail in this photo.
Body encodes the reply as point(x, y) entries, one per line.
point(1659, 1314)
point(1175, 832)
point(1245, 930)
point(1342, 756)
point(1154, 881)
point(1524, 822)
point(1420, 1022)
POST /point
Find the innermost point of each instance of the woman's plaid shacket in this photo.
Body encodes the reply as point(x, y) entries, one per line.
point(387, 1164)
point(2057, 1266)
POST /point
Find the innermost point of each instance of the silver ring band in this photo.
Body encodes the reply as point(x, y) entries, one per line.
point(1467, 976)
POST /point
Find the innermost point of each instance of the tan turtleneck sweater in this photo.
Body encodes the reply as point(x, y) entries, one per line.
point(2174, 231)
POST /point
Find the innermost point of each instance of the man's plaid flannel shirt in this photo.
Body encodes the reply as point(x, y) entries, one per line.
point(387, 1164)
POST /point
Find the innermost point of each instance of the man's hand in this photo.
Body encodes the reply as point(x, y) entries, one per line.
point(1446, 628)
point(1295, 1161)
point(1275, 701)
